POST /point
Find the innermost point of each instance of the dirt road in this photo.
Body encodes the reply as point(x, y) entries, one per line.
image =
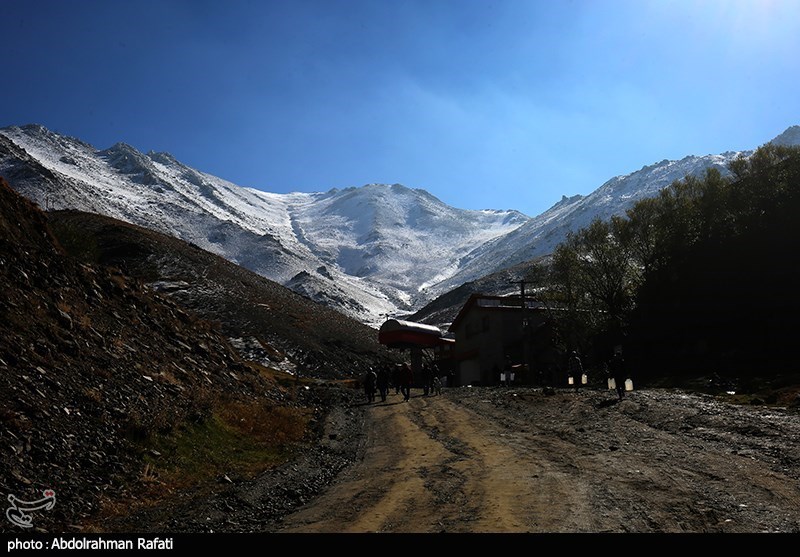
point(499, 460)
point(519, 460)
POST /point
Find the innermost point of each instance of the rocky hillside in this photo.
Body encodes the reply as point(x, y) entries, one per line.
point(265, 321)
point(110, 389)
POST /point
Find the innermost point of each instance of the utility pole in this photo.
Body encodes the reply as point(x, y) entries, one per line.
point(524, 305)
point(526, 356)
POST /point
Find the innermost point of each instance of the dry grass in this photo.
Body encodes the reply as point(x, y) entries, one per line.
point(271, 425)
point(237, 437)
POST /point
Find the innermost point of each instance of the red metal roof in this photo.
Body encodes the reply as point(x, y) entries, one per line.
point(406, 334)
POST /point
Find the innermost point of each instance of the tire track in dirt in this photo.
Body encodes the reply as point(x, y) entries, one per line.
point(386, 491)
point(433, 466)
point(523, 460)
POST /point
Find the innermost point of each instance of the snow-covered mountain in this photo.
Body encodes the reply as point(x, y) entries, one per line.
point(367, 251)
point(541, 234)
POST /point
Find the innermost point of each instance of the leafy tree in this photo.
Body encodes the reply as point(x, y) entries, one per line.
point(594, 277)
point(704, 275)
point(720, 295)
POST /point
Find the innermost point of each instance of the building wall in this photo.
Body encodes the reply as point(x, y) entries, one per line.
point(489, 333)
point(469, 373)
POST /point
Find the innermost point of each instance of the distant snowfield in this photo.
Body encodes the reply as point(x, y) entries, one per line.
point(371, 252)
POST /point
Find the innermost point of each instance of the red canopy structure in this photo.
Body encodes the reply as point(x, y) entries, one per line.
point(415, 337)
point(407, 334)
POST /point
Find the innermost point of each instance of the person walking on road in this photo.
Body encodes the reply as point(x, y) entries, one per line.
point(616, 367)
point(406, 379)
point(383, 383)
point(370, 382)
point(575, 367)
point(396, 378)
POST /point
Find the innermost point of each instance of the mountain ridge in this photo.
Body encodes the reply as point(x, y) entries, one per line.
point(369, 251)
point(275, 235)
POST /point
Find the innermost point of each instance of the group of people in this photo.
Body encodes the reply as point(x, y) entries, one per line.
point(402, 378)
point(376, 383)
point(615, 371)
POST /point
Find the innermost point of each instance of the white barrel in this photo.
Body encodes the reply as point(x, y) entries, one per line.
point(628, 384)
point(612, 384)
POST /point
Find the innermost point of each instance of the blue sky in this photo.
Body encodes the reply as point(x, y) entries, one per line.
point(505, 104)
